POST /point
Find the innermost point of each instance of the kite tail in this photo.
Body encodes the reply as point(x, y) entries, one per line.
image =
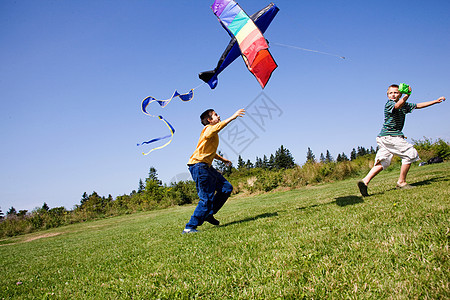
point(163, 103)
point(172, 131)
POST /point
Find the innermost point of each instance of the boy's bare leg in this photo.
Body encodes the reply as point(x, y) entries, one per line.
point(372, 173)
point(403, 172)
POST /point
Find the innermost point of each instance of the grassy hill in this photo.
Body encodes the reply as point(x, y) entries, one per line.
point(323, 241)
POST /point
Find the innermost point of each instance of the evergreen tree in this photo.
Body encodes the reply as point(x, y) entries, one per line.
point(353, 154)
point(240, 163)
point(310, 157)
point(372, 151)
point(361, 151)
point(1, 214)
point(84, 198)
point(258, 162)
point(248, 164)
point(153, 176)
point(328, 157)
point(322, 158)
point(265, 162)
point(45, 207)
point(11, 212)
point(283, 159)
point(271, 163)
point(22, 213)
point(141, 187)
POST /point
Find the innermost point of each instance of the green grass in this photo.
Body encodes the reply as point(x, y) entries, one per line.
point(323, 241)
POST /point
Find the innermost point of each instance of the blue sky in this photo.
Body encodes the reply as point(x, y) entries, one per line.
point(73, 75)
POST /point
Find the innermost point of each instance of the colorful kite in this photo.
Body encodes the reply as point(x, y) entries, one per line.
point(261, 19)
point(247, 41)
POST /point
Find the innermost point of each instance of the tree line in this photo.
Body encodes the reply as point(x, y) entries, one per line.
point(263, 174)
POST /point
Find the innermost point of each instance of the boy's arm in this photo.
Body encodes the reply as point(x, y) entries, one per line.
point(399, 104)
point(226, 161)
point(429, 103)
point(239, 113)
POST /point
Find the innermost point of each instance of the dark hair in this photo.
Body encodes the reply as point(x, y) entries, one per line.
point(205, 116)
point(394, 86)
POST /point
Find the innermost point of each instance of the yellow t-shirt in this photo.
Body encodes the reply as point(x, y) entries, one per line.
point(207, 144)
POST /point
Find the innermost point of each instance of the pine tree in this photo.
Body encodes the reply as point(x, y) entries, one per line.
point(271, 163)
point(248, 164)
point(283, 159)
point(265, 162)
point(11, 212)
point(353, 154)
point(322, 158)
point(45, 207)
point(310, 157)
point(344, 157)
point(328, 157)
point(153, 176)
point(141, 186)
point(240, 163)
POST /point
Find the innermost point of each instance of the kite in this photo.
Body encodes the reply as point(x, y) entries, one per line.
point(247, 40)
point(184, 97)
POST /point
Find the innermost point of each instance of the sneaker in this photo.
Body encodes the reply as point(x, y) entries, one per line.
point(404, 187)
point(210, 219)
point(189, 230)
point(363, 188)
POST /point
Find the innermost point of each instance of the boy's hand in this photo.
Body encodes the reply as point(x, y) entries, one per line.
point(227, 162)
point(239, 113)
point(440, 99)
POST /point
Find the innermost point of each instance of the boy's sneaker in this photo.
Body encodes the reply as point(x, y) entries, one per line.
point(363, 188)
point(210, 219)
point(189, 230)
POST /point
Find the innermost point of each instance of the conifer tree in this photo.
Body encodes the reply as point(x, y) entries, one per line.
point(322, 158)
point(310, 157)
point(328, 157)
point(283, 159)
point(353, 154)
point(240, 163)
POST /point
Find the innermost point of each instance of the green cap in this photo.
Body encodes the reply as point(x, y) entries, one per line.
point(404, 88)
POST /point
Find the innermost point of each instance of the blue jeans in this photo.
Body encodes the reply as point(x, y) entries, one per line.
point(213, 190)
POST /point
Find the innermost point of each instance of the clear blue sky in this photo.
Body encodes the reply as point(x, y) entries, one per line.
point(73, 74)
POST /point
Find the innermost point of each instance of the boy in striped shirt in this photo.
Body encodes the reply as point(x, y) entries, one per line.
point(391, 140)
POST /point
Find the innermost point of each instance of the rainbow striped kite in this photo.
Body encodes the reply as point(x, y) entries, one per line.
point(253, 45)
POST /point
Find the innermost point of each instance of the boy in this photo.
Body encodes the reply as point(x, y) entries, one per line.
point(391, 140)
point(212, 188)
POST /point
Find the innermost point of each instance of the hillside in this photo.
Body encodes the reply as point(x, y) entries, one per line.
point(322, 241)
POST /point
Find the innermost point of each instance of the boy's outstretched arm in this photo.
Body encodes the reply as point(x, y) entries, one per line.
point(429, 103)
point(239, 113)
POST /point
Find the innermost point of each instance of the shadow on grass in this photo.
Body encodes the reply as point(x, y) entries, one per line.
point(340, 201)
point(348, 200)
point(266, 215)
point(430, 181)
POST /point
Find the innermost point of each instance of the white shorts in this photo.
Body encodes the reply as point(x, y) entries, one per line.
point(395, 145)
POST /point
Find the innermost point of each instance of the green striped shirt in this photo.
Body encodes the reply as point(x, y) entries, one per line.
point(394, 119)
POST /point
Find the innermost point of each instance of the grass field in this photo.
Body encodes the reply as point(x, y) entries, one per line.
point(317, 242)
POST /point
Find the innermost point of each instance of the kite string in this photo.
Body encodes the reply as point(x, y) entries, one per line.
point(304, 49)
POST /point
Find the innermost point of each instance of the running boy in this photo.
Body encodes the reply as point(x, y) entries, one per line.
point(212, 188)
point(391, 140)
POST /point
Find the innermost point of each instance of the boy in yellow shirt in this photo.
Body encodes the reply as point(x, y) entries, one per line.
point(212, 188)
